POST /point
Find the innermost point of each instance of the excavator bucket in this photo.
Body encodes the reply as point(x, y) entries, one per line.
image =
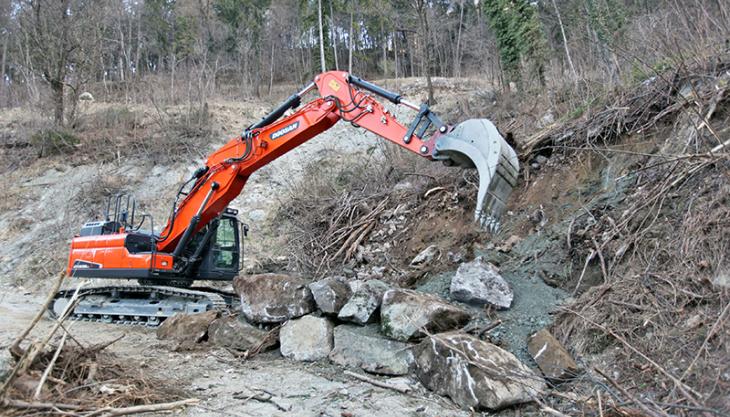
point(476, 143)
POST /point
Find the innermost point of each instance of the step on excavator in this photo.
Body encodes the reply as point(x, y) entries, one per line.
point(202, 239)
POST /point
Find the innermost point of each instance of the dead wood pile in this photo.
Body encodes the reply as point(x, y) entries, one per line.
point(634, 110)
point(71, 379)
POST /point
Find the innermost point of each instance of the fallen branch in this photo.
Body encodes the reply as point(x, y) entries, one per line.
point(49, 368)
point(16, 351)
point(377, 383)
point(139, 409)
point(15, 347)
point(41, 406)
point(623, 391)
point(489, 328)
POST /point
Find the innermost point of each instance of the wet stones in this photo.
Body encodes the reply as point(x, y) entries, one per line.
point(551, 357)
point(364, 347)
point(235, 333)
point(365, 301)
point(273, 298)
point(479, 282)
point(405, 312)
point(306, 339)
point(330, 294)
point(474, 373)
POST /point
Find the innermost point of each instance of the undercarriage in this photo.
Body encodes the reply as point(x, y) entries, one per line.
point(139, 305)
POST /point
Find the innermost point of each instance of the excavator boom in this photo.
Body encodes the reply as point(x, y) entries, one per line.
point(474, 144)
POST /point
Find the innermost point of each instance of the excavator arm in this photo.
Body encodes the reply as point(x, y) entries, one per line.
point(187, 249)
point(474, 143)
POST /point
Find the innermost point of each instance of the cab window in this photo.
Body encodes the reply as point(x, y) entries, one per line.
point(225, 248)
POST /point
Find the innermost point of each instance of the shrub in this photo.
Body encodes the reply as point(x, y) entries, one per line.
point(54, 141)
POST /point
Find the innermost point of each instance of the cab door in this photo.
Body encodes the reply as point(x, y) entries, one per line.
point(223, 257)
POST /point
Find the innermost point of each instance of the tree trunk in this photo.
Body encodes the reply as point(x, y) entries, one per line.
point(565, 43)
point(321, 36)
point(58, 110)
point(425, 42)
point(271, 69)
point(172, 77)
point(334, 35)
point(350, 40)
point(2, 63)
point(384, 41)
point(137, 57)
point(395, 56)
point(457, 58)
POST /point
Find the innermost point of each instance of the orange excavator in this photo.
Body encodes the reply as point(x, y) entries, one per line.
point(202, 237)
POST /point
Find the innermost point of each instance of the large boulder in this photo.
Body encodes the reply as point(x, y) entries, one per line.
point(273, 298)
point(306, 339)
point(330, 294)
point(235, 333)
point(364, 347)
point(555, 362)
point(186, 329)
point(473, 373)
point(365, 301)
point(479, 282)
point(405, 312)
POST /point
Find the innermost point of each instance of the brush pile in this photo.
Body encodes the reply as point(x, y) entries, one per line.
point(369, 221)
point(70, 379)
point(698, 88)
point(657, 329)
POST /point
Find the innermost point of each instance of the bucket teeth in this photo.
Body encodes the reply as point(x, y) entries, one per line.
point(477, 143)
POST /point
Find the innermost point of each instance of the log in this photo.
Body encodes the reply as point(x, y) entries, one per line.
point(378, 383)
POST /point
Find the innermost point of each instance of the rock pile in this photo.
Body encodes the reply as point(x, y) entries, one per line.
point(370, 326)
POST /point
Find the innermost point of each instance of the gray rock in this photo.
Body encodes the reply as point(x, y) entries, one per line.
point(330, 294)
point(186, 329)
point(306, 339)
point(722, 279)
point(366, 348)
point(547, 119)
point(479, 282)
point(365, 301)
point(6, 365)
point(257, 215)
point(235, 333)
point(405, 312)
point(473, 373)
point(273, 298)
point(425, 257)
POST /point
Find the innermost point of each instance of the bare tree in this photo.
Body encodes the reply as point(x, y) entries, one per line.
point(424, 30)
point(321, 36)
point(60, 38)
point(350, 40)
point(565, 42)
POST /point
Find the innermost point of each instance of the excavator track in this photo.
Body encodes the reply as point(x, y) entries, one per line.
point(139, 305)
